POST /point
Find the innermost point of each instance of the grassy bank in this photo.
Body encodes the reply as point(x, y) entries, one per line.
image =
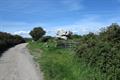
point(61, 64)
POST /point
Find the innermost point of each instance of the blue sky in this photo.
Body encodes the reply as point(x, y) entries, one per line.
point(79, 16)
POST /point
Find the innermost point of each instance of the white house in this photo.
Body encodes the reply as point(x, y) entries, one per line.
point(63, 34)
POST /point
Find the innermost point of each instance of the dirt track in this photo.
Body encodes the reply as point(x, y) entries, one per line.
point(17, 64)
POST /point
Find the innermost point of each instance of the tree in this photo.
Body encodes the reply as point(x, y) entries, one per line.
point(37, 33)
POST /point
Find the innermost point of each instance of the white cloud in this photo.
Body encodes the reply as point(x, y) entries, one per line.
point(90, 23)
point(22, 33)
point(84, 26)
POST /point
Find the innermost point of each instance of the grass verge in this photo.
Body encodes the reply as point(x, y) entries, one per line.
point(61, 64)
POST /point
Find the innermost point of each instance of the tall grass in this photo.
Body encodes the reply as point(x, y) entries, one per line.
point(61, 64)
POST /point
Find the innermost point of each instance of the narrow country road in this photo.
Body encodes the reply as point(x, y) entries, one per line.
point(17, 64)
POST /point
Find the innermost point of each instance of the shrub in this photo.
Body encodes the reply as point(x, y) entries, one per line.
point(102, 51)
point(18, 39)
point(7, 40)
point(3, 46)
point(75, 36)
point(60, 44)
point(45, 38)
point(111, 33)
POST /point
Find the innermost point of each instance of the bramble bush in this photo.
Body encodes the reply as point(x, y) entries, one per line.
point(102, 51)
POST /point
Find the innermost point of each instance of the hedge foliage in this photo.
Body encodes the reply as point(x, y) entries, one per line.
point(45, 38)
point(7, 40)
point(102, 51)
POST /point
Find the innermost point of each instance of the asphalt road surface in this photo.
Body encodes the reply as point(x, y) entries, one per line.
point(18, 64)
